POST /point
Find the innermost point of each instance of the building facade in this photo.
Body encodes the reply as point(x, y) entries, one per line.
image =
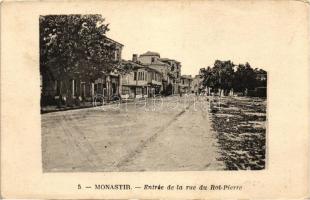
point(174, 73)
point(186, 82)
point(196, 84)
point(170, 70)
point(141, 82)
point(71, 89)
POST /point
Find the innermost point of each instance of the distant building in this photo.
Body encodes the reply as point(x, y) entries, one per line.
point(174, 72)
point(148, 57)
point(196, 84)
point(261, 75)
point(185, 85)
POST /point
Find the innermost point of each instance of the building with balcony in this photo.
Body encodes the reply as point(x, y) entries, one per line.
point(141, 82)
point(170, 70)
point(174, 73)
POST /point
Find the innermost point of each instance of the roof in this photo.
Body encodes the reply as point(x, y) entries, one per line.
point(150, 53)
point(186, 77)
point(140, 65)
point(151, 69)
point(158, 62)
point(135, 64)
point(113, 41)
point(168, 59)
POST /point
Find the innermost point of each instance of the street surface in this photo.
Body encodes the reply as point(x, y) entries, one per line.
point(168, 134)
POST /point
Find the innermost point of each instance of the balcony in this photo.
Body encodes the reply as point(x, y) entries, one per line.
point(141, 82)
point(156, 82)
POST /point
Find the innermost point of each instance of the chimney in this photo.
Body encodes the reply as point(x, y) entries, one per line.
point(135, 57)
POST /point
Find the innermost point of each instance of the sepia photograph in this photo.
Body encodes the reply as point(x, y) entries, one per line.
point(129, 104)
point(178, 99)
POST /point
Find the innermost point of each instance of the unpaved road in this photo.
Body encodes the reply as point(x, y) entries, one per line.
point(160, 136)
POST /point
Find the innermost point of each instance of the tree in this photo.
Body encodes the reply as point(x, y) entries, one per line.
point(75, 46)
point(208, 80)
point(245, 78)
point(222, 77)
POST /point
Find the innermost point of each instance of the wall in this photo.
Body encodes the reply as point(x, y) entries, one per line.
point(147, 59)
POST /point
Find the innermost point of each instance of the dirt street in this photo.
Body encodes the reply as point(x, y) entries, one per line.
point(169, 134)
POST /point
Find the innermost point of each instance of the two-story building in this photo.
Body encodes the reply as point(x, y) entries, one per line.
point(174, 73)
point(141, 81)
point(72, 88)
point(169, 68)
point(107, 84)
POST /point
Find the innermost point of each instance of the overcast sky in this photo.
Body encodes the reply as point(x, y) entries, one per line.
point(197, 33)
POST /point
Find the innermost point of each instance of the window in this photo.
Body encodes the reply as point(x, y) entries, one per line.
point(141, 76)
point(125, 90)
point(152, 59)
point(115, 55)
point(135, 76)
point(138, 91)
point(58, 87)
point(99, 88)
point(76, 89)
point(95, 88)
point(144, 91)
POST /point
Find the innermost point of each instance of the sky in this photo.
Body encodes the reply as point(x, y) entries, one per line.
point(196, 33)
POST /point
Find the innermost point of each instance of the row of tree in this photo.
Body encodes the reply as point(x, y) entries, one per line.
point(225, 77)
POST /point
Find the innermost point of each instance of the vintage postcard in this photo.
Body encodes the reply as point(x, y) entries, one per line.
point(155, 99)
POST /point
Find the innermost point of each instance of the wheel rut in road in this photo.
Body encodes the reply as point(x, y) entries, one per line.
point(70, 128)
point(139, 149)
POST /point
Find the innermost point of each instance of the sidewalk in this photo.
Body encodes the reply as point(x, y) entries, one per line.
point(48, 109)
point(54, 108)
point(88, 104)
